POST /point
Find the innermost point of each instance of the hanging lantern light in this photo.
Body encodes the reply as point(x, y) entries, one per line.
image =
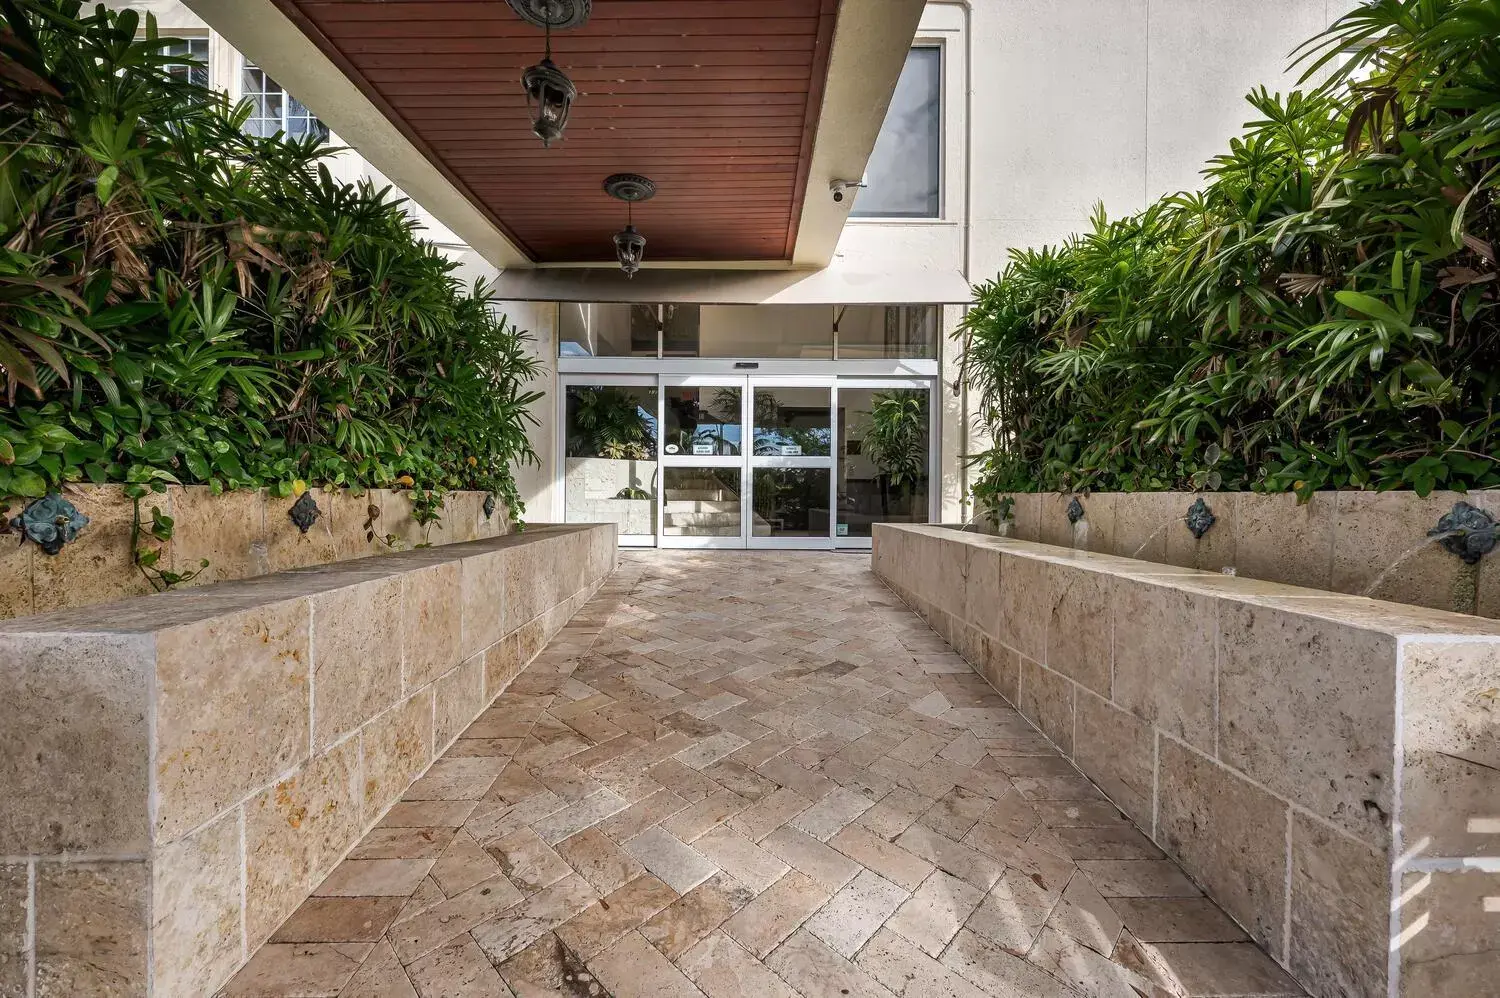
point(630, 245)
point(549, 92)
point(630, 249)
point(549, 98)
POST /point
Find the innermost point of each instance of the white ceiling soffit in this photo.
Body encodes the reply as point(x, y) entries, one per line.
point(736, 287)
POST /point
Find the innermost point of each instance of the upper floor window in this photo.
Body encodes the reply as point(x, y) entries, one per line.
point(273, 109)
point(903, 175)
point(195, 49)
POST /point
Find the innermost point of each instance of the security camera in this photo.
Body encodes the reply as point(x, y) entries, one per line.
point(838, 187)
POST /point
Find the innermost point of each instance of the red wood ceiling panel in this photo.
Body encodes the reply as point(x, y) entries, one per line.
point(715, 100)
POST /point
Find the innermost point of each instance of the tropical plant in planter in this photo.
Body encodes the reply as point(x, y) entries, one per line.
point(1325, 313)
point(896, 442)
point(182, 302)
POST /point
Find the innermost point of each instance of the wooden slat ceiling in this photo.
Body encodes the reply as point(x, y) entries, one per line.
point(715, 100)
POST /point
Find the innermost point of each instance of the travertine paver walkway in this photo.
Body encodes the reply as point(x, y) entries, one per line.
point(754, 774)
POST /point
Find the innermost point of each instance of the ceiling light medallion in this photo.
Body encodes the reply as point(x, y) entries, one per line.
point(630, 245)
point(549, 92)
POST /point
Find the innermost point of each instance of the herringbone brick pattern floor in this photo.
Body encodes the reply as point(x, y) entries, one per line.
point(754, 774)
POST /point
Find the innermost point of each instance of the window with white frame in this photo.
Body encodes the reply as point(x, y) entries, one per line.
point(195, 49)
point(273, 109)
point(904, 174)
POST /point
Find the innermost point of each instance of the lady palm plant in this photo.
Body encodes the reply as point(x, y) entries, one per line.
point(896, 440)
point(1323, 314)
point(610, 423)
point(182, 302)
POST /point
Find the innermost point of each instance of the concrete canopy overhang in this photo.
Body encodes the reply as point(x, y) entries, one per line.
point(830, 286)
point(740, 194)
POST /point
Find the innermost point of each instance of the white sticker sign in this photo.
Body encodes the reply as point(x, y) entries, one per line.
point(703, 449)
point(791, 450)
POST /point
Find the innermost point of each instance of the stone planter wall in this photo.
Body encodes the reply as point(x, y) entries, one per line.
point(179, 771)
point(242, 534)
point(1327, 767)
point(1339, 541)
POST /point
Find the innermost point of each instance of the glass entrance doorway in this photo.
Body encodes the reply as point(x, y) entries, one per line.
point(703, 462)
point(791, 468)
point(747, 461)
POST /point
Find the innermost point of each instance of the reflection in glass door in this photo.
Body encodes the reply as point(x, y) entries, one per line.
point(610, 454)
point(703, 480)
point(884, 446)
point(791, 466)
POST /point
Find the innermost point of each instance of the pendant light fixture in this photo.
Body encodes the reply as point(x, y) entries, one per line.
point(549, 92)
point(630, 245)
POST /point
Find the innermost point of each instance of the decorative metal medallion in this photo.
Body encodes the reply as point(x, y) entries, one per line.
point(555, 14)
point(1075, 511)
point(629, 187)
point(1466, 531)
point(1199, 518)
point(630, 245)
point(51, 522)
point(305, 512)
point(489, 505)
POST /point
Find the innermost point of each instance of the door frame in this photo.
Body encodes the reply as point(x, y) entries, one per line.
point(934, 389)
point(756, 462)
point(603, 380)
point(736, 462)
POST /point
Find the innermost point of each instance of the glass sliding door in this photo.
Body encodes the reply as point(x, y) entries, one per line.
point(729, 460)
point(610, 454)
point(883, 441)
point(791, 464)
point(703, 462)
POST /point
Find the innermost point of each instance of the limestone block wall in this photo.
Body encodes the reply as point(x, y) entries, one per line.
point(1358, 543)
point(242, 534)
point(179, 771)
point(1327, 767)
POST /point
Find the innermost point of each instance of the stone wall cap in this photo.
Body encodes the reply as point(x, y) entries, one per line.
point(1362, 612)
point(175, 608)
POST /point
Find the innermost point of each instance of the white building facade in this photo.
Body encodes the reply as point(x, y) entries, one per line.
point(796, 408)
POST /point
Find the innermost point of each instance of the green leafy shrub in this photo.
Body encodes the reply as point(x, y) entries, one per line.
point(1321, 315)
point(896, 440)
point(609, 423)
point(182, 302)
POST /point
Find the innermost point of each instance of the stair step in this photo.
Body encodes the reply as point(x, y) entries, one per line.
point(704, 520)
point(703, 506)
point(700, 531)
point(699, 495)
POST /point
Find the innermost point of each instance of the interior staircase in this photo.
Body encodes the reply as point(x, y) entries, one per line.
point(701, 506)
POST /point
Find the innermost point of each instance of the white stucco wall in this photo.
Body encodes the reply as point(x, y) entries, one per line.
point(1079, 101)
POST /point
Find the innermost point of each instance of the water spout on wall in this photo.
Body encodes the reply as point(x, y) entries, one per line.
point(1406, 556)
point(1155, 534)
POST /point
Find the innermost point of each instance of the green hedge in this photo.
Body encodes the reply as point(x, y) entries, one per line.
point(1321, 315)
point(181, 302)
